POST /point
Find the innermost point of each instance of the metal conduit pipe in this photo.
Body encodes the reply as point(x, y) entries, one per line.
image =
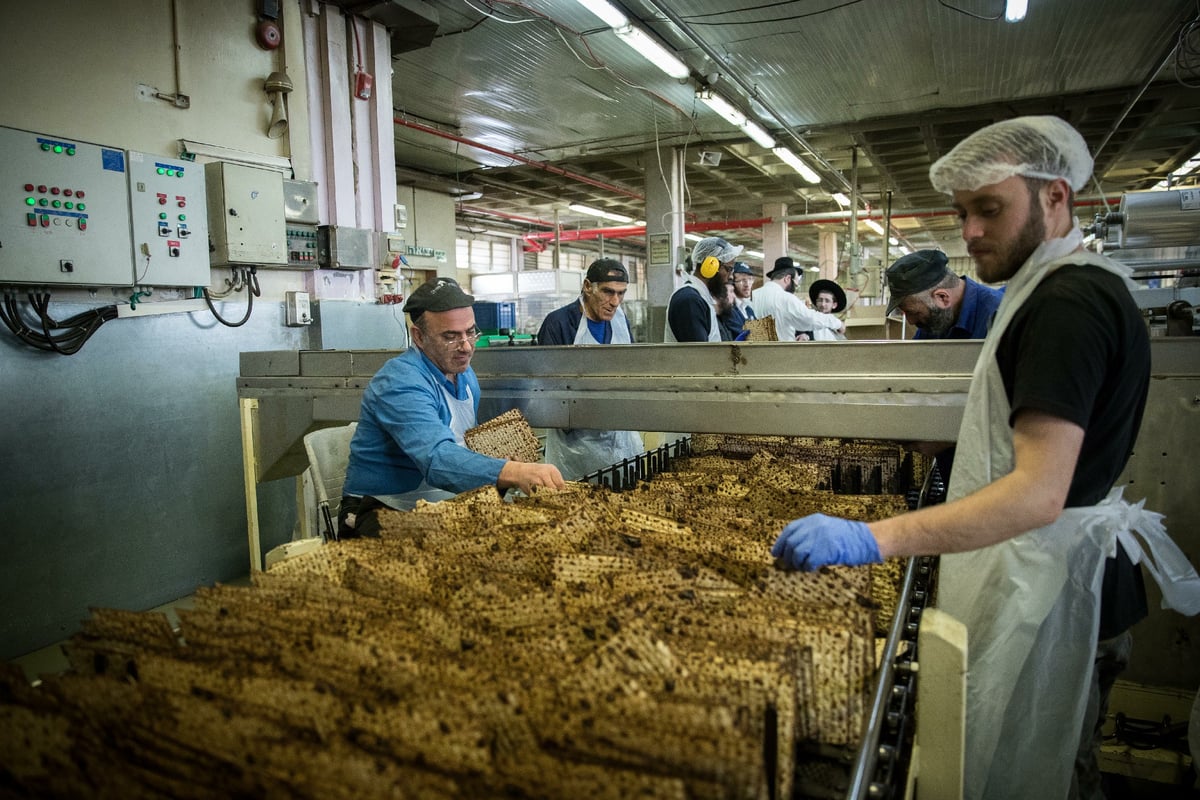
point(416, 126)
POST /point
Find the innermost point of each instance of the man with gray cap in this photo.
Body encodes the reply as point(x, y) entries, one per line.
point(1039, 549)
point(595, 318)
point(777, 298)
point(415, 412)
point(938, 303)
point(692, 309)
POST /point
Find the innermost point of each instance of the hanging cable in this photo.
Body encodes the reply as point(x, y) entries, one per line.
point(249, 278)
point(71, 333)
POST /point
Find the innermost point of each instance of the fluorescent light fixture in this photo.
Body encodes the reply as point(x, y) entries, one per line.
point(893, 241)
point(753, 254)
point(693, 237)
point(596, 212)
point(873, 225)
point(758, 133)
point(722, 106)
point(841, 199)
point(606, 11)
point(793, 161)
point(904, 250)
point(652, 51)
point(1014, 10)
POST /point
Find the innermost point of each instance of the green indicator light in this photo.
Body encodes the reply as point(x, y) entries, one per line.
point(69, 204)
point(161, 171)
point(162, 215)
point(183, 217)
point(70, 151)
point(170, 173)
point(56, 204)
point(45, 146)
point(43, 202)
point(58, 148)
point(29, 201)
point(80, 207)
point(178, 173)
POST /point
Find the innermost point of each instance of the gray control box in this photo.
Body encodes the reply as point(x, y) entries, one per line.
point(245, 216)
point(340, 247)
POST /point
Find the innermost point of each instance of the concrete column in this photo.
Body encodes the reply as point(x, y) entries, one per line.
point(774, 234)
point(827, 247)
point(665, 245)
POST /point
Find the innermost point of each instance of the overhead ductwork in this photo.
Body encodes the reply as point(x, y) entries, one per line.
point(411, 23)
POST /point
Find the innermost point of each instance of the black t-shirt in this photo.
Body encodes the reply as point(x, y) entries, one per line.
point(1079, 350)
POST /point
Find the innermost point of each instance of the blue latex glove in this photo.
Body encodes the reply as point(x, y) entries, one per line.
point(741, 337)
point(819, 540)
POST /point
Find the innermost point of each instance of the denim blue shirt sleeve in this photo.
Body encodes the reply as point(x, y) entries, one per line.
point(975, 316)
point(404, 435)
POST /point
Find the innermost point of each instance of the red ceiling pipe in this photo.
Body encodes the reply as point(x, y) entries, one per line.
point(416, 126)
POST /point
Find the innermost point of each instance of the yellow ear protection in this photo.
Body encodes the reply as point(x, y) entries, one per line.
point(709, 267)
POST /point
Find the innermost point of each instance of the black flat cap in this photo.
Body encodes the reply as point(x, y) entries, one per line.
point(438, 294)
point(914, 273)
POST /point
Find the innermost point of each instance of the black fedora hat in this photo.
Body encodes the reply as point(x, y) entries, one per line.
point(825, 285)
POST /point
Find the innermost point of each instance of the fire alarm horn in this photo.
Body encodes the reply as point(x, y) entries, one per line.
point(363, 84)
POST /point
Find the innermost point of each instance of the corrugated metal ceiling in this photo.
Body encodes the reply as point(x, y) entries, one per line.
point(898, 81)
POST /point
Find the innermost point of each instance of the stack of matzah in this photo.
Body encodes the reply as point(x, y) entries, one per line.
point(583, 643)
point(506, 436)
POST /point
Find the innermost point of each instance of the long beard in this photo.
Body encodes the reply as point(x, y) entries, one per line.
point(940, 320)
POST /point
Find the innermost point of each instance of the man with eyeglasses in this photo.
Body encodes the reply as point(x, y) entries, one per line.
point(415, 412)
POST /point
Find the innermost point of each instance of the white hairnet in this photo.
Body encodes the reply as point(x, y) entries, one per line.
point(1033, 147)
point(715, 246)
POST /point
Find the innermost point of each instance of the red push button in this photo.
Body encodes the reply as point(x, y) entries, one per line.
point(45, 220)
point(29, 187)
point(79, 193)
point(31, 219)
point(82, 224)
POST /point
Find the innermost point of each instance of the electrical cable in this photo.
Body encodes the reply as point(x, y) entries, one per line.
point(250, 280)
point(966, 13)
point(692, 19)
point(79, 328)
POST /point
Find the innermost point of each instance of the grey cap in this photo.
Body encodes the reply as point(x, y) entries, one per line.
point(914, 273)
point(438, 294)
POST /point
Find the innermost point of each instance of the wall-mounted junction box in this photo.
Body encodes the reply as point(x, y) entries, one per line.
point(245, 216)
point(340, 247)
point(297, 309)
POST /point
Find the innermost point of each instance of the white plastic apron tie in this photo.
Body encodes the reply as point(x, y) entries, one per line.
point(1032, 604)
point(580, 451)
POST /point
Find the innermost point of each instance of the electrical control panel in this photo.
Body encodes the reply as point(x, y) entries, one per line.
point(342, 247)
point(245, 216)
point(64, 212)
point(302, 245)
point(170, 223)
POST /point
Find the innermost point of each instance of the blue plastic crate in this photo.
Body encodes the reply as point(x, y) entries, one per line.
point(494, 316)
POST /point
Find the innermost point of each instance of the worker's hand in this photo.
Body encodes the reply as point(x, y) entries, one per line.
point(842, 329)
point(819, 540)
point(524, 476)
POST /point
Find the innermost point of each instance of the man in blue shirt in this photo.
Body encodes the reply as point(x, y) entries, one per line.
point(939, 303)
point(415, 413)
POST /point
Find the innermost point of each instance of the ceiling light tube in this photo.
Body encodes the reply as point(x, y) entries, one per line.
point(606, 11)
point(723, 107)
point(793, 161)
point(1014, 10)
point(596, 212)
point(841, 199)
point(873, 225)
point(758, 134)
point(652, 51)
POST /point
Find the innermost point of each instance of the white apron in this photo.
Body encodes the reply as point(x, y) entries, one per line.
point(1032, 604)
point(714, 329)
point(462, 419)
point(579, 451)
